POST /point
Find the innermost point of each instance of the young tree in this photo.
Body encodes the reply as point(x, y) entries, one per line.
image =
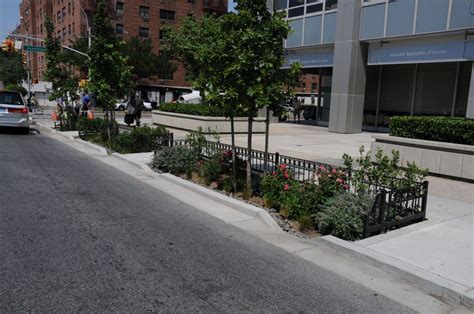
point(235, 61)
point(254, 78)
point(64, 81)
point(110, 77)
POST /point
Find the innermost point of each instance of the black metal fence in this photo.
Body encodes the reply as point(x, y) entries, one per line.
point(396, 203)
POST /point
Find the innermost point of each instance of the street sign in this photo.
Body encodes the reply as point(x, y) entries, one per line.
point(18, 44)
point(35, 48)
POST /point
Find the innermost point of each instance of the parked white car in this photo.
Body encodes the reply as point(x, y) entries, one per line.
point(193, 98)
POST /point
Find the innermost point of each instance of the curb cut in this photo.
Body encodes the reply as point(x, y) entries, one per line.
point(424, 280)
point(238, 205)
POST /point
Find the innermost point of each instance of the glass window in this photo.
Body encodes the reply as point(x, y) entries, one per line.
point(296, 12)
point(372, 21)
point(396, 92)
point(143, 32)
point(119, 8)
point(435, 88)
point(295, 3)
point(119, 29)
point(296, 36)
point(329, 27)
point(331, 5)
point(371, 90)
point(314, 8)
point(463, 89)
point(462, 14)
point(144, 12)
point(431, 15)
point(167, 15)
point(313, 1)
point(279, 5)
point(312, 30)
point(400, 17)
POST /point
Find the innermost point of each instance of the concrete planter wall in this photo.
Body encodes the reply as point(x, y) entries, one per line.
point(447, 159)
point(220, 125)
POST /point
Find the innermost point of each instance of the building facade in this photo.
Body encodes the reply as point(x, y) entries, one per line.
point(381, 58)
point(130, 18)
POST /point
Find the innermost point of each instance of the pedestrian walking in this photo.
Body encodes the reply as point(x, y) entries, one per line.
point(85, 105)
point(134, 107)
point(298, 107)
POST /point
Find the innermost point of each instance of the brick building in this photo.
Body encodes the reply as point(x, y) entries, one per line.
point(130, 18)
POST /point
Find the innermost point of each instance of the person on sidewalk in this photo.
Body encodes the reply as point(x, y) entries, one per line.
point(85, 105)
point(135, 107)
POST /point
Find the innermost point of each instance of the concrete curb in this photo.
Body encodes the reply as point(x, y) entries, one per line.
point(424, 280)
point(238, 205)
point(96, 147)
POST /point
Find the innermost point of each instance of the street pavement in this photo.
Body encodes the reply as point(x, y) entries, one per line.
point(79, 235)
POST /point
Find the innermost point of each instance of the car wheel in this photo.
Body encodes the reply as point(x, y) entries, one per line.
point(121, 108)
point(25, 131)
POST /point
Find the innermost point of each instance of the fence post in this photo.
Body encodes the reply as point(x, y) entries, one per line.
point(382, 209)
point(171, 138)
point(424, 200)
point(277, 159)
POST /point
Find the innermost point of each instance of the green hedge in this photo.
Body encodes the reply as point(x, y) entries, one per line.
point(195, 109)
point(442, 129)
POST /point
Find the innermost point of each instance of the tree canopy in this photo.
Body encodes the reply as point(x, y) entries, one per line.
point(12, 70)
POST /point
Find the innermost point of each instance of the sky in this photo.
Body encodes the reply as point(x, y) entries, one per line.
point(9, 16)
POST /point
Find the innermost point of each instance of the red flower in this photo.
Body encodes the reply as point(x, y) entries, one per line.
point(345, 187)
point(283, 166)
point(334, 171)
point(274, 173)
point(321, 167)
point(339, 180)
point(286, 187)
point(286, 175)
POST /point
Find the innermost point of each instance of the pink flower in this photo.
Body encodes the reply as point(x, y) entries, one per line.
point(334, 171)
point(286, 187)
point(283, 166)
point(340, 181)
point(321, 167)
point(345, 187)
point(286, 175)
point(274, 173)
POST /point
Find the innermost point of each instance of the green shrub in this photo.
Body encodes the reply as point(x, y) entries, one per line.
point(385, 171)
point(211, 170)
point(196, 109)
point(442, 129)
point(140, 139)
point(343, 216)
point(98, 127)
point(176, 160)
point(281, 191)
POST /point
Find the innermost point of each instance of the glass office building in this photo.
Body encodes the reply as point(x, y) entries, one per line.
point(380, 58)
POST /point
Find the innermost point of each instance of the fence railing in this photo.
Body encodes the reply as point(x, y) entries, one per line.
point(395, 204)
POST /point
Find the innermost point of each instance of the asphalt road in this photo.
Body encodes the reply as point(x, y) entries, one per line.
point(78, 235)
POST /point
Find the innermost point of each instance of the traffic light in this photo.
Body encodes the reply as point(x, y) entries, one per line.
point(24, 59)
point(8, 45)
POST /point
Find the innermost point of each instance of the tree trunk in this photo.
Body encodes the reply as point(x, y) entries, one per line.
point(248, 188)
point(267, 130)
point(234, 166)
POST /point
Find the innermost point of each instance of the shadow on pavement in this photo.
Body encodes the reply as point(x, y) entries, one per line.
point(19, 131)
